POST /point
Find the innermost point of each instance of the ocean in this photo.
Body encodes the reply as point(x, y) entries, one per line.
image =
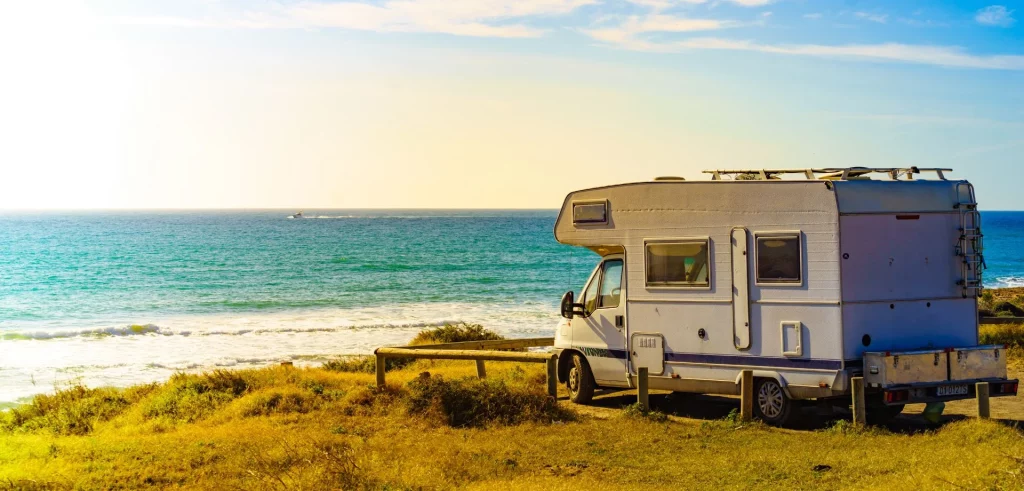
point(119, 298)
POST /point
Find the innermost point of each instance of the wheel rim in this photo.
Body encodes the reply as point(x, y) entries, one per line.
point(770, 399)
point(574, 379)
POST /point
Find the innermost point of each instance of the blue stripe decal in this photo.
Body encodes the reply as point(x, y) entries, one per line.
point(745, 360)
point(620, 354)
point(755, 361)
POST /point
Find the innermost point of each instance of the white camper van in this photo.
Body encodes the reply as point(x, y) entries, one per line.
point(807, 277)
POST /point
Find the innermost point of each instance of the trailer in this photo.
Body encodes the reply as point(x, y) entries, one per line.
point(808, 277)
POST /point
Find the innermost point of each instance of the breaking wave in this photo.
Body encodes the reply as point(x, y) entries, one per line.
point(1008, 282)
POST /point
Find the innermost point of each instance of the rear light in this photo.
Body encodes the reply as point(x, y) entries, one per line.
point(897, 396)
point(1008, 388)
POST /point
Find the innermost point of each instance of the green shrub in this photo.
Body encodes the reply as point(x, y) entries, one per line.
point(987, 298)
point(1011, 335)
point(455, 333)
point(372, 400)
point(448, 333)
point(277, 402)
point(190, 398)
point(1005, 307)
point(1018, 301)
point(72, 411)
point(473, 402)
point(365, 364)
point(635, 410)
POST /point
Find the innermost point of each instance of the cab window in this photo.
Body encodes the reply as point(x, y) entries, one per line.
point(611, 284)
point(590, 296)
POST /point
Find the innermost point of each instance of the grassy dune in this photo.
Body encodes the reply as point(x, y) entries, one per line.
point(287, 428)
point(313, 428)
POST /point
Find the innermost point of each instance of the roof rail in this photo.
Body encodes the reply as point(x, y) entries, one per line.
point(829, 173)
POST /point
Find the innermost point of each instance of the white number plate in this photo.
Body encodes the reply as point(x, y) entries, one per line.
point(951, 390)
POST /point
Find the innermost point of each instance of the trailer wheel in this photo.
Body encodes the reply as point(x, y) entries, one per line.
point(580, 381)
point(771, 404)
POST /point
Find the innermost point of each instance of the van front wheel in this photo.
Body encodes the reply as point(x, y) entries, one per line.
point(771, 404)
point(580, 381)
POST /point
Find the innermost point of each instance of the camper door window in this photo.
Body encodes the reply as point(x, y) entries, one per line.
point(779, 260)
point(681, 264)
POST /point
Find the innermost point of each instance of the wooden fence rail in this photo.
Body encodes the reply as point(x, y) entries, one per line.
point(498, 344)
point(479, 351)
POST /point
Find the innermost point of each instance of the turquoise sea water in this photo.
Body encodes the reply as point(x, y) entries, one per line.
point(96, 267)
point(124, 297)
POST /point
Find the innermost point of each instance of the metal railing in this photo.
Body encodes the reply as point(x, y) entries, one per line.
point(836, 173)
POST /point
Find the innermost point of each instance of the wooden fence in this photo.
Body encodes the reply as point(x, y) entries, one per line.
point(479, 351)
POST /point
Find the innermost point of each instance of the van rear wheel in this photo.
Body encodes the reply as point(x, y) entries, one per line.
point(580, 381)
point(771, 404)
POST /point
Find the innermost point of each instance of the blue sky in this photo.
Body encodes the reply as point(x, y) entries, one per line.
point(492, 103)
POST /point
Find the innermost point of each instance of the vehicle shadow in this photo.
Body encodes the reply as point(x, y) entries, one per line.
point(812, 418)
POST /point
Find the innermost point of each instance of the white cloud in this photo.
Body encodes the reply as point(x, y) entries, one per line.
point(879, 18)
point(481, 18)
point(629, 33)
point(665, 4)
point(995, 15)
point(814, 15)
point(947, 56)
point(751, 3)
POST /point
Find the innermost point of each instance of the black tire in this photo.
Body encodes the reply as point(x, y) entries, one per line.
point(580, 381)
point(771, 404)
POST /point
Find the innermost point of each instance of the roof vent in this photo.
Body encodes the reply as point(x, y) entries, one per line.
point(669, 178)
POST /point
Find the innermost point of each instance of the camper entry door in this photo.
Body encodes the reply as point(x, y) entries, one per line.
point(601, 335)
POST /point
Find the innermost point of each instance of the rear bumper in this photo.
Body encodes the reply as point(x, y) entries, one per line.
point(929, 391)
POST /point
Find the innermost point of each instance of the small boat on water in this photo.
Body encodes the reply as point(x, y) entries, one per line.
point(297, 215)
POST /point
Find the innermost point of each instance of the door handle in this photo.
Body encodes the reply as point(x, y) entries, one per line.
point(620, 321)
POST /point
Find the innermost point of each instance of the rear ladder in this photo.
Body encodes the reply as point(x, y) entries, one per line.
point(970, 247)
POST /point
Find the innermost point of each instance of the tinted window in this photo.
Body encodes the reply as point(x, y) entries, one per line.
point(779, 259)
point(678, 264)
point(611, 286)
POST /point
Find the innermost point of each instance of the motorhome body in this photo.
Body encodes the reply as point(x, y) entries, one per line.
point(796, 280)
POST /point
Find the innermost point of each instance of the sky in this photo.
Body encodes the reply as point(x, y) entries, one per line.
point(491, 103)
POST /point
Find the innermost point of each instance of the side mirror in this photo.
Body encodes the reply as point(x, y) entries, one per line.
point(567, 306)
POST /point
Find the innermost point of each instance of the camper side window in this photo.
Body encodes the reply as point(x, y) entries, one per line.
point(678, 264)
point(779, 260)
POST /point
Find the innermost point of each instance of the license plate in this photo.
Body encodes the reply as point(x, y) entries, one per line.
point(951, 390)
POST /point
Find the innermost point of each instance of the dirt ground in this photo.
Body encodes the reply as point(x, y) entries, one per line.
point(607, 404)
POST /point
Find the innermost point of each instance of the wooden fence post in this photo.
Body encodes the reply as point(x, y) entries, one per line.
point(552, 365)
point(380, 370)
point(480, 370)
point(860, 417)
point(641, 389)
point(983, 408)
point(747, 395)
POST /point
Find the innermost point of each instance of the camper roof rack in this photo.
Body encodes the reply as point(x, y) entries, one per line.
point(828, 173)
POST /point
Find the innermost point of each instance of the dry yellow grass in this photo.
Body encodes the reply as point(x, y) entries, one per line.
point(316, 429)
point(287, 428)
